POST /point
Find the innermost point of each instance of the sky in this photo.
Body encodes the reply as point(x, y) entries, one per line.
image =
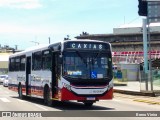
point(23, 22)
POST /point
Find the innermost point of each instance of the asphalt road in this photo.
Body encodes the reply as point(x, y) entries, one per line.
point(121, 104)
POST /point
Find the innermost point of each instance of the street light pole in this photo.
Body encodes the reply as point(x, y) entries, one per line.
point(150, 57)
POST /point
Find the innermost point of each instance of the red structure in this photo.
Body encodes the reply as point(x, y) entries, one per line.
point(133, 56)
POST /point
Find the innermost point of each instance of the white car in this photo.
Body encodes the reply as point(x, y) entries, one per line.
point(2, 77)
point(5, 82)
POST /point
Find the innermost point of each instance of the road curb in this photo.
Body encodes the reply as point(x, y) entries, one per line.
point(152, 94)
point(120, 84)
point(147, 101)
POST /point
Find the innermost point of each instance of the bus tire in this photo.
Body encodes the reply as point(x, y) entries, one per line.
point(47, 100)
point(20, 94)
point(88, 104)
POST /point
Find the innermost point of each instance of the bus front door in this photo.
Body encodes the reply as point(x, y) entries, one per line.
point(28, 72)
point(55, 73)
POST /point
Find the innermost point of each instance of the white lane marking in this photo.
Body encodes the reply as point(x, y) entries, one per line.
point(5, 100)
point(41, 107)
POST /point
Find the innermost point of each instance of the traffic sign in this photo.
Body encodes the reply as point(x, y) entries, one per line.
point(153, 11)
point(142, 8)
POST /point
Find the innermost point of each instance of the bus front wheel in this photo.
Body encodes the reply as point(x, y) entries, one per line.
point(88, 104)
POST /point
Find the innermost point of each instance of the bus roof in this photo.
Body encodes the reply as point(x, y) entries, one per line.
point(45, 46)
point(85, 40)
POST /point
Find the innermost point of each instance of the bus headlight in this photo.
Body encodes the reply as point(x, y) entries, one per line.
point(67, 86)
point(110, 85)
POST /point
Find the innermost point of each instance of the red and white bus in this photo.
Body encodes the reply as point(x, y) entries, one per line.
point(78, 70)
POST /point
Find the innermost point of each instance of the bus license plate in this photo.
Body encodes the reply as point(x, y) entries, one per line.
point(91, 98)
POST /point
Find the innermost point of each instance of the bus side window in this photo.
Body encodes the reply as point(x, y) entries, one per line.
point(22, 63)
point(46, 60)
point(12, 64)
point(37, 60)
point(32, 61)
point(17, 63)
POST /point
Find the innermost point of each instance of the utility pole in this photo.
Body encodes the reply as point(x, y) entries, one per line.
point(16, 47)
point(145, 51)
point(143, 11)
point(35, 42)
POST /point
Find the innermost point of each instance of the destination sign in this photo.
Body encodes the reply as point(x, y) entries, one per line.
point(85, 45)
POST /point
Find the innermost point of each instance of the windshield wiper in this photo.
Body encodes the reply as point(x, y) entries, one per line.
point(72, 77)
point(69, 77)
point(98, 54)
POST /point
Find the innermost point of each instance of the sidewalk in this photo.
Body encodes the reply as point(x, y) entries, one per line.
point(131, 88)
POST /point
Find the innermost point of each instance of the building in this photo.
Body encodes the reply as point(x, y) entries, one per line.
point(127, 42)
point(5, 51)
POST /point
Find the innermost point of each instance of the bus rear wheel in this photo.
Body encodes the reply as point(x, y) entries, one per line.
point(88, 104)
point(47, 100)
point(20, 92)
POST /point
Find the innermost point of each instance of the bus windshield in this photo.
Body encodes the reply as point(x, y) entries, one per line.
point(87, 65)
